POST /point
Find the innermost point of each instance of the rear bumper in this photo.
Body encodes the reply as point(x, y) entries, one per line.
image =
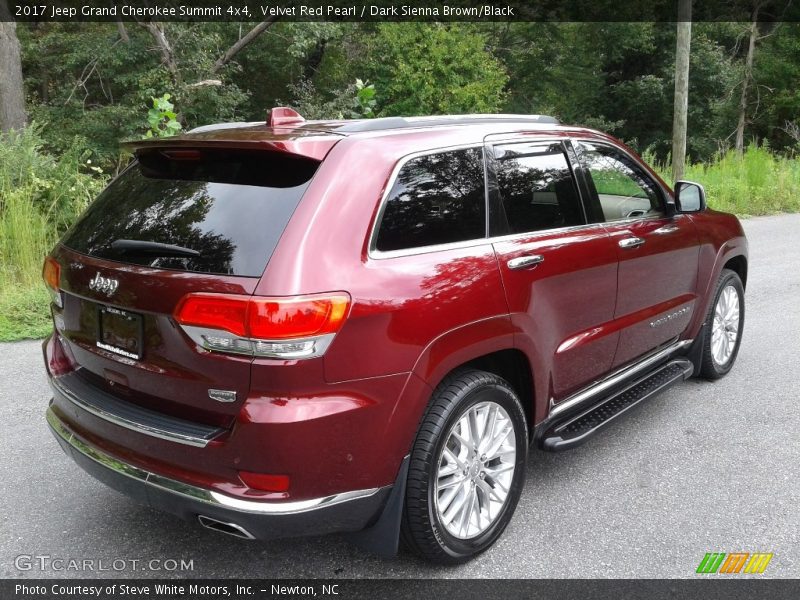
point(345, 512)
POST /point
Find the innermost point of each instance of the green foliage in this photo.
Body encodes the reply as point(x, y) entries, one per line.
point(24, 313)
point(429, 69)
point(613, 76)
point(40, 196)
point(757, 183)
point(777, 96)
point(354, 101)
point(162, 119)
point(365, 99)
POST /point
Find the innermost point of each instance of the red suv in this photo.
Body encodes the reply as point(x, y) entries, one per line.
point(293, 327)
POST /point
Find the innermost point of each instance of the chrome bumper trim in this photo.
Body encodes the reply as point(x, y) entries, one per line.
point(196, 493)
point(617, 378)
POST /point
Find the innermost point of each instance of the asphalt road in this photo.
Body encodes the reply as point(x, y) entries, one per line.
point(705, 467)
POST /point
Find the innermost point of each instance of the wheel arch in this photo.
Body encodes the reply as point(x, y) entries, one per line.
point(487, 345)
point(738, 264)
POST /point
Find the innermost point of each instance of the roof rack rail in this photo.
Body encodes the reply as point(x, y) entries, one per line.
point(432, 121)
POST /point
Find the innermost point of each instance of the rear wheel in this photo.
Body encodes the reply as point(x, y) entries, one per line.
point(725, 322)
point(467, 468)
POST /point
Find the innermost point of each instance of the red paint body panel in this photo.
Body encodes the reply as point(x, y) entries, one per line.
point(564, 306)
point(344, 421)
point(669, 258)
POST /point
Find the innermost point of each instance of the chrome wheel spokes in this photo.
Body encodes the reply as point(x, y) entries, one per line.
point(725, 329)
point(476, 468)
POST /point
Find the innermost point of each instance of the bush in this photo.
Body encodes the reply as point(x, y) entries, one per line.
point(40, 196)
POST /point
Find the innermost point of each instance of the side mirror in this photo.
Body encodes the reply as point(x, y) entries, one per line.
point(690, 197)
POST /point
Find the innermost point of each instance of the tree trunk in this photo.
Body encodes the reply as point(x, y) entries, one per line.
point(746, 82)
point(12, 91)
point(123, 32)
point(681, 106)
point(167, 54)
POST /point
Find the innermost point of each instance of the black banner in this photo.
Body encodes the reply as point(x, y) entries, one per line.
point(393, 10)
point(716, 588)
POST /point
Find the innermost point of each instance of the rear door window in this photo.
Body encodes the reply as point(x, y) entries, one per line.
point(536, 187)
point(222, 211)
point(436, 199)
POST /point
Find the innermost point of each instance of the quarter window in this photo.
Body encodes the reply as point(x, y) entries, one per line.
point(436, 199)
point(623, 188)
point(536, 187)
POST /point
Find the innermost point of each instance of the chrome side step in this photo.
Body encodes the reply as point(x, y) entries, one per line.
point(589, 396)
point(574, 428)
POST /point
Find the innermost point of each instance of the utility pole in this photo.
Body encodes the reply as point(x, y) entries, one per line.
point(680, 113)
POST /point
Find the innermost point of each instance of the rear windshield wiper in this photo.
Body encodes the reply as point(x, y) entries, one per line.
point(151, 248)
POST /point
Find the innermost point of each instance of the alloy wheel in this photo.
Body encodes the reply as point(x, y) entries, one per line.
point(725, 330)
point(476, 469)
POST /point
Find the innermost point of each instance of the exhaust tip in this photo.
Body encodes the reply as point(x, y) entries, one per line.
point(223, 527)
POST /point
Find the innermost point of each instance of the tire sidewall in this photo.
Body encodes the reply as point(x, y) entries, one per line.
point(459, 548)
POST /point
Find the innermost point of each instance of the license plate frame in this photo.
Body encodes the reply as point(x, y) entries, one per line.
point(120, 332)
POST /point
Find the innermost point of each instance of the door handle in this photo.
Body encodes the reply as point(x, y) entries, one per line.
point(666, 229)
point(525, 262)
point(631, 242)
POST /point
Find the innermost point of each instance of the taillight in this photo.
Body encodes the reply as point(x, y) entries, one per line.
point(295, 327)
point(215, 311)
point(51, 273)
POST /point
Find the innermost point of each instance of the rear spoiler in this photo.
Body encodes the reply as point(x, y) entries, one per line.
point(311, 145)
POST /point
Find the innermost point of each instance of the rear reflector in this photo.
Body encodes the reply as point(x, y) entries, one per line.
point(265, 482)
point(295, 327)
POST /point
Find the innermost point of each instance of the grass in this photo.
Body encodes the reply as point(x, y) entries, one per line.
point(756, 183)
point(25, 238)
point(41, 195)
point(24, 314)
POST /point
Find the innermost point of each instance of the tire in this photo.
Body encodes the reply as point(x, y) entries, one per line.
point(432, 527)
point(719, 350)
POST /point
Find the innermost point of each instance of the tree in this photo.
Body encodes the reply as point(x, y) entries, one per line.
point(12, 91)
point(429, 69)
point(680, 113)
point(748, 77)
point(168, 55)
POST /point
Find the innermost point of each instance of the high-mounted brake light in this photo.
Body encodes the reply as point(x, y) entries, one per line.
point(51, 273)
point(182, 154)
point(295, 327)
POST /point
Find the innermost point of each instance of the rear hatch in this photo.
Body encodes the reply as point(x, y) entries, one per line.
point(179, 220)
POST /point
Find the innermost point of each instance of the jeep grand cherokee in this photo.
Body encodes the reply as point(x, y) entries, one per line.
point(300, 327)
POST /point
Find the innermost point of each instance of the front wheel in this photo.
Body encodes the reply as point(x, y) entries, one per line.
point(467, 468)
point(725, 321)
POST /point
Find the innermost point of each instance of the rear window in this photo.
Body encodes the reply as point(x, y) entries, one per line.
point(223, 210)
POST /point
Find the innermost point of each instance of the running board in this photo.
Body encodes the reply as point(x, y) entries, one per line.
point(572, 430)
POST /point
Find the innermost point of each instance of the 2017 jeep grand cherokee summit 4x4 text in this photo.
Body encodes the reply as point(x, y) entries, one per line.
point(360, 326)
